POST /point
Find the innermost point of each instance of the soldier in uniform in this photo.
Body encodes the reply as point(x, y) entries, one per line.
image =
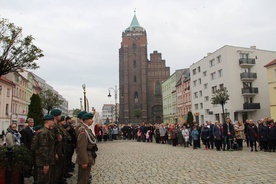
point(57, 134)
point(86, 149)
point(61, 166)
point(43, 149)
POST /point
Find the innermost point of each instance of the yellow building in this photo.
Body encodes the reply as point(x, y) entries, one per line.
point(271, 73)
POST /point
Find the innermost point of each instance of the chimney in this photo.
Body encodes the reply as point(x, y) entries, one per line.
point(209, 53)
point(253, 47)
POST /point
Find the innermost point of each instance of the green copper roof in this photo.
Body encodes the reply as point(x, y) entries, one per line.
point(134, 23)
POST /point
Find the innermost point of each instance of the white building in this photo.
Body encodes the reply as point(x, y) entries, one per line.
point(6, 89)
point(108, 113)
point(241, 71)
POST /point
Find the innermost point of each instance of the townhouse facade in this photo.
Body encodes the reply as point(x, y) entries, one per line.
point(169, 96)
point(183, 91)
point(271, 79)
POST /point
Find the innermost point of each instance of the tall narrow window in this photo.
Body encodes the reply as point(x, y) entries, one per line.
point(157, 88)
point(134, 64)
point(136, 95)
point(135, 79)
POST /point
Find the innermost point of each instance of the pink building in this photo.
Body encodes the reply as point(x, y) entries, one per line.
point(184, 103)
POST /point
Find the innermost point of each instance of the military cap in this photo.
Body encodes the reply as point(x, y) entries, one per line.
point(87, 116)
point(56, 112)
point(48, 117)
point(37, 127)
point(81, 114)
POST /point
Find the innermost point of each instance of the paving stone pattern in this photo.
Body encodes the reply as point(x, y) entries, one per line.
point(131, 162)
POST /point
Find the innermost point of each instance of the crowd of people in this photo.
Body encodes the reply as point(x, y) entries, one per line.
point(220, 136)
point(52, 146)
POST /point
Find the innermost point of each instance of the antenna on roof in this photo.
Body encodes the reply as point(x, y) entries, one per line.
point(135, 11)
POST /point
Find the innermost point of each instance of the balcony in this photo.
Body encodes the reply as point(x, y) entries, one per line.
point(247, 62)
point(248, 76)
point(249, 91)
point(251, 106)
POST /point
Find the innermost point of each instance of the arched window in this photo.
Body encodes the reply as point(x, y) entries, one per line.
point(157, 88)
point(136, 95)
point(134, 64)
point(135, 79)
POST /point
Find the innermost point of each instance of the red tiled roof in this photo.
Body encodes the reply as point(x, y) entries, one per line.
point(271, 63)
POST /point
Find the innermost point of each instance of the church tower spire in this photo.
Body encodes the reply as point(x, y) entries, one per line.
point(134, 23)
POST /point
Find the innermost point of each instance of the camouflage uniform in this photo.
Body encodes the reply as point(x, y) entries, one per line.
point(57, 134)
point(61, 167)
point(43, 149)
point(86, 147)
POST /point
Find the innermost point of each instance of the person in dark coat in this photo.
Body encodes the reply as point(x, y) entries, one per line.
point(272, 136)
point(217, 133)
point(143, 130)
point(205, 136)
point(263, 135)
point(211, 126)
point(27, 135)
point(228, 134)
point(245, 130)
point(252, 133)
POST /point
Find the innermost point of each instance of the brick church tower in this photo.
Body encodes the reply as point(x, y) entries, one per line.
point(140, 79)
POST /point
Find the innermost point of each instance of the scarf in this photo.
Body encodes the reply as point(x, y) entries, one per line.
point(16, 135)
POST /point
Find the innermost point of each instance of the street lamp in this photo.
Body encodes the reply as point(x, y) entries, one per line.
point(84, 96)
point(109, 95)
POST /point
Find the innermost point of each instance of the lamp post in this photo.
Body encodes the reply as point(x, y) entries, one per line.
point(109, 95)
point(84, 96)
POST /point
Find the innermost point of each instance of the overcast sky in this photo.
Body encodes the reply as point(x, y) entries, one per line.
point(81, 39)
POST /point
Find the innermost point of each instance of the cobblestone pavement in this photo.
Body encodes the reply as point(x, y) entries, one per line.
point(131, 162)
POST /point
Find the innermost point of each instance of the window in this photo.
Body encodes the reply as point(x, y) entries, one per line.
point(8, 92)
point(136, 95)
point(248, 100)
point(7, 109)
point(206, 98)
point(194, 82)
point(196, 106)
point(214, 88)
point(199, 81)
point(206, 86)
point(195, 95)
point(194, 71)
point(135, 79)
point(198, 69)
point(201, 105)
point(244, 55)
point(204, 73)
point(134, 64)
point(221, 86)
point(213, 75)
point(220, 73)
point(200, 93)
point(157, 88)
point(219, 59)
point(212, 62)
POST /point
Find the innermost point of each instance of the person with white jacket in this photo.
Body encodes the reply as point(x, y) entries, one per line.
point(185, 134)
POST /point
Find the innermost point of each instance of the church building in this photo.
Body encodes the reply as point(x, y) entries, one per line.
point(140, 78)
